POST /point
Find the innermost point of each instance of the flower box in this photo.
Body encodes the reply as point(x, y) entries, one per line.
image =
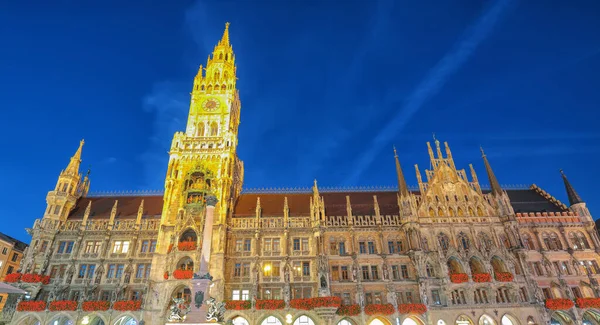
point(60, 305)
point(459, 277)
point(35, 278)
point(348, 310)
point(482, 277)
point(379, 309)
point(127, 305)
point(588, 302)
point(270, 304)
point(318, 302)
point(183, 274)
point(37, 305)
point(238, 304)
point(418, 309)
point(12, 278)
point(559, 304)
point(95, 305)
point(504, 277)
point(186, 246)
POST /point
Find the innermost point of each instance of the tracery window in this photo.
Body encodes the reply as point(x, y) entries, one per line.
point(430, 271)
point(528, 242)
point(463, 241)
point(443, 241)
point(578, 240)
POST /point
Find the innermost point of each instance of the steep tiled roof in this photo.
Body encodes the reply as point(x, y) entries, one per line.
point(127, 207)
point(18, 245)
point(272, 204)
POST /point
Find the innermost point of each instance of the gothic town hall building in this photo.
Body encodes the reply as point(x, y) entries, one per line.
point(445, 253)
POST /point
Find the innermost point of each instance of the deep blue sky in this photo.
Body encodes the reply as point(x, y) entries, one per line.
point(327, 87)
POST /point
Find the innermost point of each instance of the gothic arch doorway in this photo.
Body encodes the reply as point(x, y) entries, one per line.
point(304, 320)
point(561, 318)
point(61, 320)
point(345, 322)
point(271, 320)
point(463, 320)
point(125, 320)
point(240, 321)
point(412, 321)
point(591, 317)
point(380, 321)
point(29, 320)
point(486, 320)
point(509, 320)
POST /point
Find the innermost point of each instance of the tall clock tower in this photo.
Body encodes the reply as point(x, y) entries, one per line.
point(203, 160)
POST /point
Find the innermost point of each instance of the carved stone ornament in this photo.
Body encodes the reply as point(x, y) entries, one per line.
point(198, 299)
point(211, 200)
point(178, 310)
point(216, 310)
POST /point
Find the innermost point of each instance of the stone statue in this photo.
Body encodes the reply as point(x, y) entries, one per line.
point(361, 299)
point(216, 310)
point(424, 296)
point(286, 274)
point(69, 276)
point(323, 281)
point(355, 273)
point(178, 310)
point(386, 274)
point(198, 299)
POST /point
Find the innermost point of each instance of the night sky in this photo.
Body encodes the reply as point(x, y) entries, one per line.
point(327, 88)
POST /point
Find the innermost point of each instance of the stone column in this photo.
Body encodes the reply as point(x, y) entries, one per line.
point(202, 281)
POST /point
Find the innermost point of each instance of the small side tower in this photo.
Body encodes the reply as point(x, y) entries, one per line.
point(69, 187)
point(577, 205)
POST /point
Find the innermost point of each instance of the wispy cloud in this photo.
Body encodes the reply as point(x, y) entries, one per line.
point(169, 105)
point(433, 82)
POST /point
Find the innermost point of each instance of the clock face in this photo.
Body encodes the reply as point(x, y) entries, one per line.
point(210, 104)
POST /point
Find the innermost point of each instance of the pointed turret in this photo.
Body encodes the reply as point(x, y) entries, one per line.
point(574, 198)
point(402, 187)
point(73, 167)
point(494, 185)
point(225, 38)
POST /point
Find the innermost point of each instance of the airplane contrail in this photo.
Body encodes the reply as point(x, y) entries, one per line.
point(433, 82)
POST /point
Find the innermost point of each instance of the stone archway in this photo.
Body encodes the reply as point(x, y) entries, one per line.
point(379, 321)
point(61, 319)
point(591, 317)
point(271, 320)
point(561, 318)
point(509, 320)
point(92, 319)
point(29, 320)
point(486, 320)
point(239, 320)
point(412, 320)
point(125, 320)
point(463, 320)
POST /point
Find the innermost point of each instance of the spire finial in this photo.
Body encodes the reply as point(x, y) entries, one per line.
point(482, 152)
point(395, 153)
point(225, 38)
point(73, 166)
point(574, 198)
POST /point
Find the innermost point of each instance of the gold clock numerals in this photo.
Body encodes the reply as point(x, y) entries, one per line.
point(210, 104)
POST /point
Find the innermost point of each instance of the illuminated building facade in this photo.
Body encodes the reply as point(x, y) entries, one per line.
point(445, 253)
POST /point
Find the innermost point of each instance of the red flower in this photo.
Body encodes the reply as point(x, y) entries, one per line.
point(459, 277)
point(318, 302)
point(127, 305)
point(95, 305)
point(170, 248)
point(559, 304)
point(183, 274)
point(379, 309)
point(13, 277)
point(504, 276)
point(482, 277)
point(588, 302)
point(186, 246)
point(60, 305)
point(348, 310)
point(166, 275)
point(419, 309)
point(270, 304)
point(37, 305)
point(35, 278)
point(238, 304)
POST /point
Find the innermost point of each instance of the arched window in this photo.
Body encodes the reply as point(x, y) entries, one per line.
point(223, 87)
point(460, 212)
point(226, 57)
point(451, 211)
point(200, 129)
point(431, 212)
point(454, 266)
point(463, 241)
point(485, 241)
point(430, 271)
point(271, 320)
point(221, 56)
point(578, 240)
point(479, 212)
point(240, 321)
point(440, 212)
point(528, 242)
point(202, 87)
point(304, 320)
point(443, 241)
point(214, 129)
point(555, 243)
point(476, 266)
point(209, 89)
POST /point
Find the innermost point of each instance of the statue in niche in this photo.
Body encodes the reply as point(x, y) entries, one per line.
point(323, 282)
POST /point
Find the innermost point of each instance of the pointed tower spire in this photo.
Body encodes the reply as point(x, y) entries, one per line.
point(73, 167)
point(225, 38)
point(402, 187)
point(495, 186)
point(574, 198)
